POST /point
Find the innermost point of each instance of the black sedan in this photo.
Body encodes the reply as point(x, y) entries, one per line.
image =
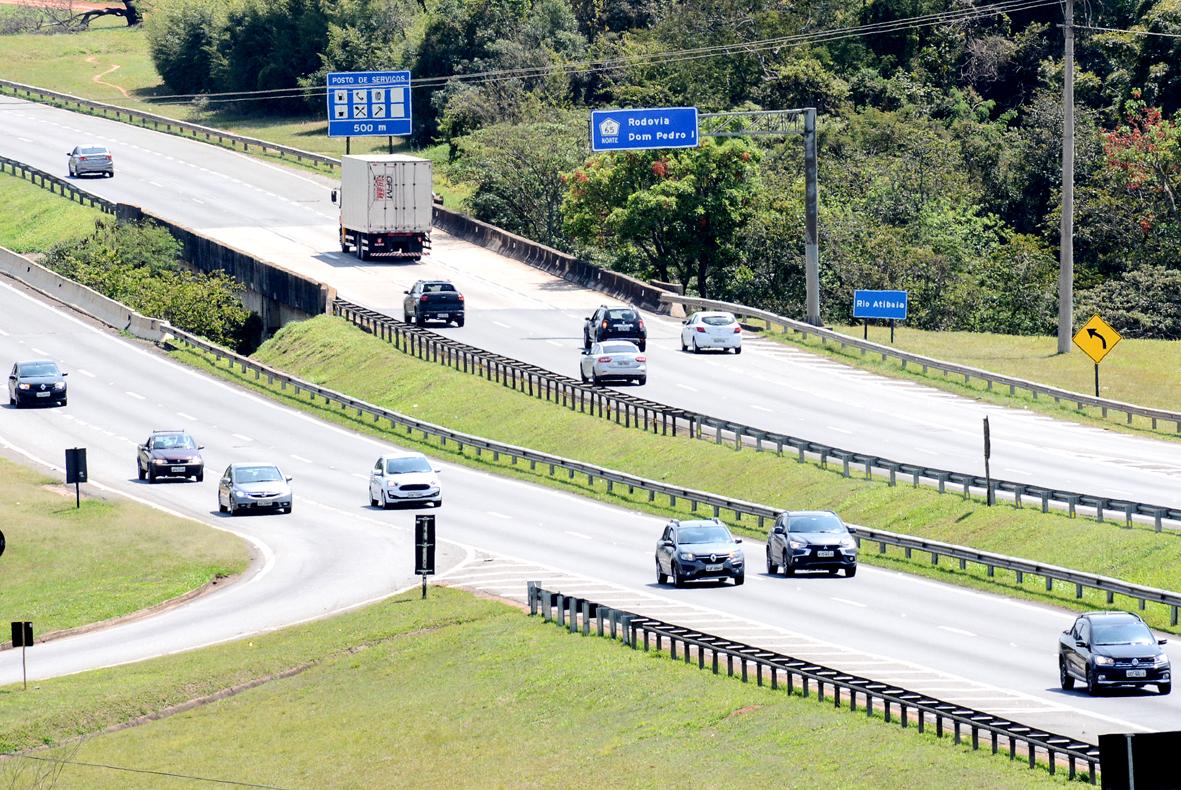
point(699, 549)
point(169, 454)
point(1104, 649)
point(811, 540)
point(37, 381)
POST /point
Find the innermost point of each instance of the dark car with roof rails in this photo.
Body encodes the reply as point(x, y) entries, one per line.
point(699, 549)
point(614, 323)
point(433, 300)
point(804, 540)
point(38, 381)
point(1111, 649)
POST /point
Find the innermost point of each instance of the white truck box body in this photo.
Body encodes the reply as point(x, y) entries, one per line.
point(385, 193)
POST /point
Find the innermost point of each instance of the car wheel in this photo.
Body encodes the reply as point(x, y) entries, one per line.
point(1164, 688)
point(439, 502)
point(220, 507)
point(200, 476)
point(738, 350)
point(405, 317)
point(643, 345)
point(581, 375)
point(661, 576)
point(386, 504)
point(459, 321)
point(1065, 679)
point(110, 174)
point(289, 508)
point(850, 572)
point(419, 320)
point(788, 570)
point(683, 346)
point(739, 579)
point(696, 348)
point(139, 470)
point(151, 476)
point(642, 380)
point(372, 501)
point(678, 580)
point(771, 566)
point(1092, 684)
point(62, 402)
point(596, 380)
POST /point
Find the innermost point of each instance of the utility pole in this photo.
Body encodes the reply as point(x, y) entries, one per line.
point(1066, 242)
point(811, 243)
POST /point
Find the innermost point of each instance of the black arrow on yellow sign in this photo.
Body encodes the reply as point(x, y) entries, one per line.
point(1095, 333)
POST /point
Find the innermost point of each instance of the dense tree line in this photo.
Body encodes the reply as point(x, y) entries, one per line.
point(939, 144)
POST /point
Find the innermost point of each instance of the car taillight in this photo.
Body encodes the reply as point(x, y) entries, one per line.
point(461, 297)
point(700, 329)
point(641, 358)
point(641, 324)
point(604, 324)
point(737, 329)
point(82, 159)
point(108, 157)
point(422, 298)
point(604, 359)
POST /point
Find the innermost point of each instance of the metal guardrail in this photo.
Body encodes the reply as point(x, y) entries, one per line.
point(626, 409)
point(925, 363)
point(686, 644)
point(164, 123)
point(715, 503)
point(54, 184)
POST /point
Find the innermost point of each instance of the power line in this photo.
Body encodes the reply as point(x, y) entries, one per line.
point(649, 59)
point(1133, 32)
point(146, 771)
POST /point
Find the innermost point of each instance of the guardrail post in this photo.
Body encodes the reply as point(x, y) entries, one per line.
point(586, 618)
point(561, 610)
point(532, 595)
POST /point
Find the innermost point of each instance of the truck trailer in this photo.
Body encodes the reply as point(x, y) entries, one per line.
point(385, 206)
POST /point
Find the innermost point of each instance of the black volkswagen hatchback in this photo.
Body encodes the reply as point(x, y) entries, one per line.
point(1104, 649)
point(37, 381)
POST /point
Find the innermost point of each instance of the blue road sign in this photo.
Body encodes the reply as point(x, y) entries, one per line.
point(368, 103)
point(880, 304)
point(635, 130)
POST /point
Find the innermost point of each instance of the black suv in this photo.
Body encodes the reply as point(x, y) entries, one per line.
point(614, 323)
point(695, 550)
point(169, 454)
point(811, 540)
point(1112, 649)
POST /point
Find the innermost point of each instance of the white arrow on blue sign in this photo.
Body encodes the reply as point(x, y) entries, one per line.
point(637, 130)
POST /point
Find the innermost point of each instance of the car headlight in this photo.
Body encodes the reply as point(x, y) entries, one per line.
point(738, 556)
point(60, 385)
point(797, 544)
point(688, 555)
point(22, 386)
point(849, 543)
point(1103, 661)
point(1161, 661)
point(159, 461)
point(237, 492)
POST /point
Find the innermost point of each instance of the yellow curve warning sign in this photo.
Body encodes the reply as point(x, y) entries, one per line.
point(1096, 338)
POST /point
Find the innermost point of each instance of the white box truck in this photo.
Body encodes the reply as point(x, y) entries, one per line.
point(385, 206)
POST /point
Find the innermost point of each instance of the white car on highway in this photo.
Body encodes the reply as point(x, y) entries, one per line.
point(613, 360)
point(711, 330)
point(404, 477)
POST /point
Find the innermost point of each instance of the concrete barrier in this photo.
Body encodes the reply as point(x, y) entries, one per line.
point(83, 299)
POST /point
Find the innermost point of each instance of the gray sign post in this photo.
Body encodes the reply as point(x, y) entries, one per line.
point(424, 548)
point(22, 637)
point(76, 471)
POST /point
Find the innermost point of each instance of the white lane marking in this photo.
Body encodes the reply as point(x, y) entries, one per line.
point(757, 407)
point(197, 201)
point(959, 631)
point(187, 416)
point(554, 343)
point(24, 139)
point(838, 429)
point(1016, 471)
point(847, 601)
point(39, 351)
point(577, 534)
point(86, 373)
point(301, 458)
point(135, 395)
point(242, 437)
point(156, 184)
point(494, 514)
point(3, 333)
point(687, 387)
point(502, 326)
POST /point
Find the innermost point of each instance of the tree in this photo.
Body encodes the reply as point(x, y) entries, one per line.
point(666, 211)
point(1146, 150)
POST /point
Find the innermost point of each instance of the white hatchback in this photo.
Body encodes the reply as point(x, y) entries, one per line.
point(404, 477)
point(711, 330)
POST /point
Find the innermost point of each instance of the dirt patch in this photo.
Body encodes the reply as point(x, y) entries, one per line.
point(98, 78)
point(743, 711)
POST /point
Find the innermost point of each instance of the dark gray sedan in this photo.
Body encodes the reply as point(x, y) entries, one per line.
point(1105, 649)
point(699, 549)
point(86, 159)
point(36, 381)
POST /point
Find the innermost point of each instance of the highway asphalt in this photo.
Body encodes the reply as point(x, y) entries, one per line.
point(335, 552)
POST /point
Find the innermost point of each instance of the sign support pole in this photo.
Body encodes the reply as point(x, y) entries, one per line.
point(811, 212)
point(987, 454)
point(24, 668)
point(348, 145)
point(390, 142)
point(1096, 379)
point(424, 587)
point(865, 328)
point(891, 331)
point(78, 494)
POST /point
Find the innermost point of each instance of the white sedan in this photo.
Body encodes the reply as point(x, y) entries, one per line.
point(404, 477)
point(613, 360)
point(711, 330)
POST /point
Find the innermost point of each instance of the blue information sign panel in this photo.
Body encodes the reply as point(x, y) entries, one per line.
point(880, 304)
point(635, 130)
point(368, 103)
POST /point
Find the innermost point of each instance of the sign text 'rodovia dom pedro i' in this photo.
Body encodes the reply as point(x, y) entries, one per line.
point(636, 130)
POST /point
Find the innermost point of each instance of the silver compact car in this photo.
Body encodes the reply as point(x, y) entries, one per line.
point(86, 159)
point(614, 360)
point(253, 486)
point(404, 477)
point(711, 330)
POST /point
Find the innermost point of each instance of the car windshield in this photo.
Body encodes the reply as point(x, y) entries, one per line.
point(401, 466)
point(434, 288)
point(173, 441)
point(616, 316)
point(1127, 632)
point(717, 320)
point(619, 348)
point(816, 524)
point(39, 369)
point(712, 534)
point(93, 150)
point(257, 474)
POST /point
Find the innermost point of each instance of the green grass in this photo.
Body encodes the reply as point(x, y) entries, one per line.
point(457, 691)
point(36, 219)
point(66, 567)
point(332, 353)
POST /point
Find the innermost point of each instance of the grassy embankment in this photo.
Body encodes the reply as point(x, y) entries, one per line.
point(33, 220)
point(65, 567)
point(332, 353)
point(80, 65)
point(462, 692)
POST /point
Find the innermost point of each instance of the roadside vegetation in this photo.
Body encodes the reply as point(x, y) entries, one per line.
point(34, 220)
point(65, 567)
point(334, 354)
point(457, 691)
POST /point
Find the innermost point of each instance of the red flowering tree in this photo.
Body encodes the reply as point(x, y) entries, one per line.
point(1146, 153)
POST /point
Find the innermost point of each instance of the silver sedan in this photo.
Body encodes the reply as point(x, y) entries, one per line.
point(613, 360)
point(85, 159)
point(253, 487)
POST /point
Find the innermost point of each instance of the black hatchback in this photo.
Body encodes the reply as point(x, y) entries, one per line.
point(36, 381)
point(697, 550)
point(614, 323)
point(803, 540)
point(1105, 649)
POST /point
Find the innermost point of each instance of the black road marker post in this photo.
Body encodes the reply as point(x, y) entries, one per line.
point(891, 331)
point(22, 637)
point(987, 454)
point(76, 471)
point(1096, 379)
point(424, 548)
